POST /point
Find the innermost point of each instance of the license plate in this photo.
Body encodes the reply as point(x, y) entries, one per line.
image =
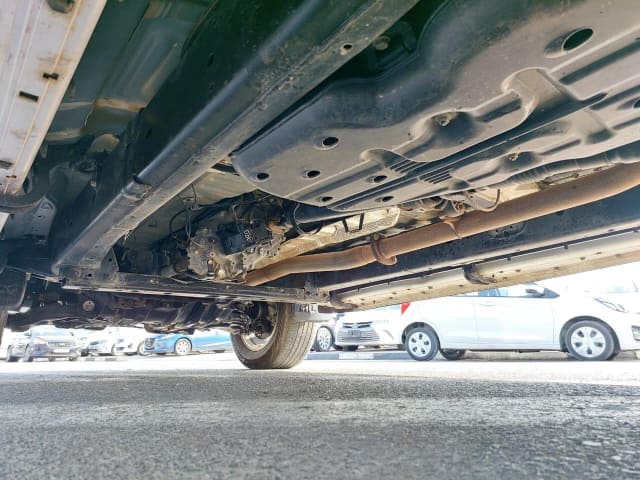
point(354, 333)
point(60, 350)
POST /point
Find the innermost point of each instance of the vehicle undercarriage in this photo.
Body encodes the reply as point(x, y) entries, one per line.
point(184, 164)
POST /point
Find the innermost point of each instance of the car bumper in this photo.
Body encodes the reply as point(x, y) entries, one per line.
point(126, 348)
point(54, 352)
point(99, 349)
point(161, 349)
point(629, 338)
point(373, 336)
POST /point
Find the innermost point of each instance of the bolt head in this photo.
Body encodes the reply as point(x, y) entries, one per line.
point(88, 305)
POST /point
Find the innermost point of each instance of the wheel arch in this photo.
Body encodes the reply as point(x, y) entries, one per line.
point(567, 325)
point(420, 323)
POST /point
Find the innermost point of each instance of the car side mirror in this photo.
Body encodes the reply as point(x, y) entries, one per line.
point(535, 290)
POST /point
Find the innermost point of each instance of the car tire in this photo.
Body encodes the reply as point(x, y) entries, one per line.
point(452, 354)
point(182, 347)
point(422, 344)
point(589, 340)
point(140, 350)
point(51, 359)
point(114, 352)
point(73, 359)
point(338, 348)
point(10, 358)
point(285, 347)
point(324, 340)
point(27, 355)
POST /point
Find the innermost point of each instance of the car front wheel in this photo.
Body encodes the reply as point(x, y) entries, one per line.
point(10, 358)
point(589, 340)
point(140, 350)
point(182, 347)
point(324, 340)
point(282, 342)
point(27, 355)
point(422, 344)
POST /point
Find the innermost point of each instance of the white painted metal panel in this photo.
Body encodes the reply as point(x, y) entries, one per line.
point(35, 40)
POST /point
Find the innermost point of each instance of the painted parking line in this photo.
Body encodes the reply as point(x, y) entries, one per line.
point(101, 359)
point(334, 355)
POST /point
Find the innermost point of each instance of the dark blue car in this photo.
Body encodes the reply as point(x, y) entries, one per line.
point(182, 344)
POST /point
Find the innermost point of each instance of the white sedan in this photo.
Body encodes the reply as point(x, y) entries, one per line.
point(117, 341)
point(517, 318)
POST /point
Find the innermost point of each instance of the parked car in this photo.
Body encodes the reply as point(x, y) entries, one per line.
point(214, 340)
point(117, 341)
point(370, 328)
point(43, 342)
point(518, 318)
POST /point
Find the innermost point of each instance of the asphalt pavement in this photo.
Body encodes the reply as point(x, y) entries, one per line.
point(206, 416)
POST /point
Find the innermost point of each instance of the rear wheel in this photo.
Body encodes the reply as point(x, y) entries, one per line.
point(452, 354)
point(324, 340)
point(589, 340)
point(283, 345)
point(422, 343)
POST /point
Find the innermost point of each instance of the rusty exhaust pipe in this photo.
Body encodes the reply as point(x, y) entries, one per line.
point(591, 188)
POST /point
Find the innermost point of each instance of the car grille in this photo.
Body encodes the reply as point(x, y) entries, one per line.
point(149, 342)
point(357, 325)
point(346, 334)
point(60, 344)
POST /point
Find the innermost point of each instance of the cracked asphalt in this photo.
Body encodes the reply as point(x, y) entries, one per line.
point(207, 417)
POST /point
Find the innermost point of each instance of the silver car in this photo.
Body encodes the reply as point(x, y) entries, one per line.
point(371, 328)
point(44, 341)
point(519, 318)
